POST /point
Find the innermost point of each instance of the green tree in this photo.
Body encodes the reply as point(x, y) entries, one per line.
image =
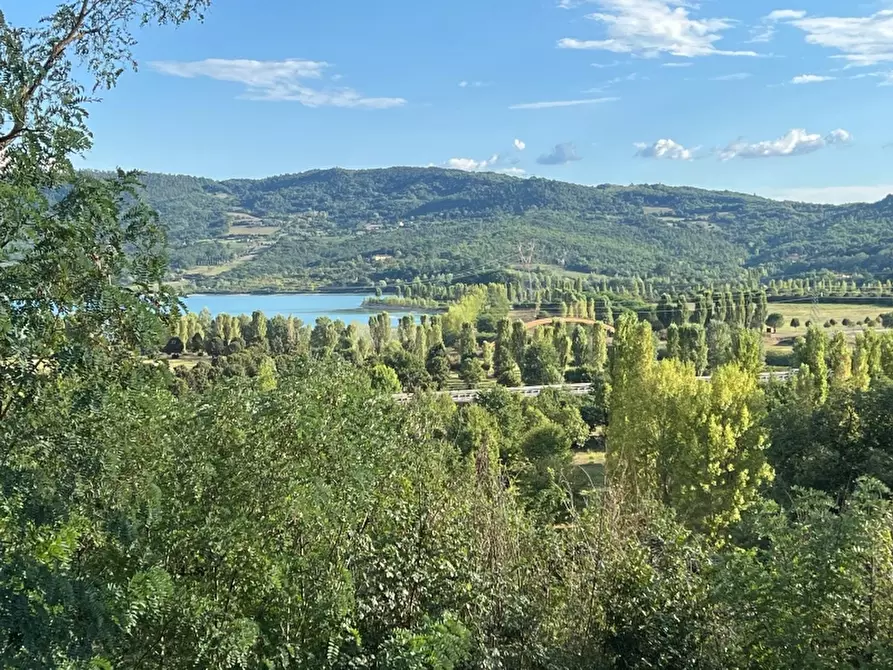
point(196, 344)
point(699, 445)
point(519, 340)
point(840, 358)
point(775, 321)
point(380, 331)
point(487, 355)
point(438, 365)
point(467, 340)
point(580, 346)
point(215, 347)
point(747, 348)
point(720, 349)
point(471, 371)
point(324, 337)
point(385, 379)
point(599, 348)
point(257, 333)
point(631, 364)
point(541, 364)
point(174, 347)
point(811, 351)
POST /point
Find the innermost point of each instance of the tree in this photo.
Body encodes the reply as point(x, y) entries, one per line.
point(795, 322)
point(580, 346)
point(471, 371)
point(748, 350)
point(693, 346)
point(519, 340)
point(683, 313)
point(438, 365)
point(380, 331)
point(674, 342)
point(215, 347)
point(467, 340)
point(599, 348)
point(410, 369)
point(384, 379)
point(666, 310)
point(266, 374)
point(324, 337)
point(487, 355)
point(702, 309)
point(631, 363)
point(196, 344)
point(510, 376)
point(174, 347)
point(541, 364)
point(699, 445)
point(775, 321)
point(811, 351)
point(840, 358)
point(720, 348)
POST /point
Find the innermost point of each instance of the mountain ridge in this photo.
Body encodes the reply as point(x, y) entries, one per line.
point(383, 224)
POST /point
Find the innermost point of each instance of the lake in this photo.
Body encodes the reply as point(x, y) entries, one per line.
point(307, 307)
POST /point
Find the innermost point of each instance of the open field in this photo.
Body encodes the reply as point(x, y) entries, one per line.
point(256, 231)
point(855, 311)
point(592, 465)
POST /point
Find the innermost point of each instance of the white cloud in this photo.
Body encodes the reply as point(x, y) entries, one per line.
point(562, 154)
point(735, 76)
point(785, 14)
point(513, 172)
point(519, 145)
point(887, 77)
point(861, 40)
point(562, 103)
point(810, 79)
point(651, 27)
point(665, 149)
point(834, 195)
point(766, 30)
point(472, 165)
point(603, 66)
point(839, 136)
point(795, 143)
point(676, 64)
point(284, 80)
point(472, 84)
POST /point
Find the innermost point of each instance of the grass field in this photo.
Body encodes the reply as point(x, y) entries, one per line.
point(779, 345)
point(855, 311)
point(592, 465)
point(256, 231)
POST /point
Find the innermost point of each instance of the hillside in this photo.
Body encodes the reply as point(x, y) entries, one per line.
point(343, 227)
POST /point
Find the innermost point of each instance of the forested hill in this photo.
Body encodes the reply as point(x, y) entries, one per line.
point(341, 226)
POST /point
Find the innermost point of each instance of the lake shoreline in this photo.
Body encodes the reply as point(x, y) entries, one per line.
point(308, 307)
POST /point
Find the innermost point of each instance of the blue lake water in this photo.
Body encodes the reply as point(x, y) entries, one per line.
point(307, 307)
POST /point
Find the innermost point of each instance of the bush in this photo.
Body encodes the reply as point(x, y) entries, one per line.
point(779, 359)
point(847, 322)
point(887, 320)
point(795, 322)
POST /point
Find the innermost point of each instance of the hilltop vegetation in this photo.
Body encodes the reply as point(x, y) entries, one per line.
point(357, 227)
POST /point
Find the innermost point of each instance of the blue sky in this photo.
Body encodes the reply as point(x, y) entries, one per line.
point(777, 98)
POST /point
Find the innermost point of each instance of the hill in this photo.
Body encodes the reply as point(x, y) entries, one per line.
point(344, 227)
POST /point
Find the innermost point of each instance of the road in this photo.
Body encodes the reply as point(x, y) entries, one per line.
point(468, 396)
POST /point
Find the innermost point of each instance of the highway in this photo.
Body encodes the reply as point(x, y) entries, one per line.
point(468, 396)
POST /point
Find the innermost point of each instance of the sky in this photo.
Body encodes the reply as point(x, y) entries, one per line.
point(783, 99)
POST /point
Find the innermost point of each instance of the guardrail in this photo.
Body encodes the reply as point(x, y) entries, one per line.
point(468, 396)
